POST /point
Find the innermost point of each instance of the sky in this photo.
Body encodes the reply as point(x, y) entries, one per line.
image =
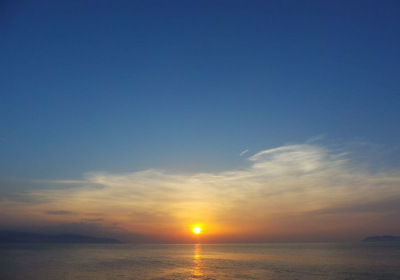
point(260, 121)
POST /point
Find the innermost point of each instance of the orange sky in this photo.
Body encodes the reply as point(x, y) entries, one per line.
point(292, 193)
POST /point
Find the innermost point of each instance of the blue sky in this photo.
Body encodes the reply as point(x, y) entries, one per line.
point(186, 86)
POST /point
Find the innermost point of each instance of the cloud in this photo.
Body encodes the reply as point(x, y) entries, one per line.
point(15, 197)
point(301, 192)
point(22, 185)
point(87, 229)
point(59, 212)
point(95, 214)
point(93, 220)
point(242, 153)
point(391, 205)
point(316, 138)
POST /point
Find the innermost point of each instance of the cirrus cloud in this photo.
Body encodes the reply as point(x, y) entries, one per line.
point(303, 192)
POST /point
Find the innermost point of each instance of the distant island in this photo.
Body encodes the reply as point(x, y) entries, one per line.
point(383, 238)
point(26, 237)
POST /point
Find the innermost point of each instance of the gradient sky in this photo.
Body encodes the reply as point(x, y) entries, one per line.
point(262, 121)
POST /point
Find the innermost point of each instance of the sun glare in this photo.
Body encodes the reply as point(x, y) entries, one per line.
point(196, 230)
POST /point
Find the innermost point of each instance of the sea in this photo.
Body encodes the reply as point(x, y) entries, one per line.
point(354, 261)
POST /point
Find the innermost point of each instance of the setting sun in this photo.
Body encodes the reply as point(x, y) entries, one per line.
point(196, 230)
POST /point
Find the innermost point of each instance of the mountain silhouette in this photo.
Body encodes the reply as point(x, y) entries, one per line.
point(26, 237)
point(383, 238)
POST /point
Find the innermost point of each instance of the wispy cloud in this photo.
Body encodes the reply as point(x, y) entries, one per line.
point(316, 138)
point(59, 212)
point(242, 153)
point(303, 191)
point(93, 220)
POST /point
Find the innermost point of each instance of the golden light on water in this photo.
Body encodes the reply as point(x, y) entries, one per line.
point(197, 270)
point(196, 230)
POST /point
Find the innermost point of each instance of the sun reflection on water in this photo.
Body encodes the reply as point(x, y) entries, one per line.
point(197, 271)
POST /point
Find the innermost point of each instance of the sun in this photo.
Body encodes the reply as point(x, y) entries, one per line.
point(196, 230)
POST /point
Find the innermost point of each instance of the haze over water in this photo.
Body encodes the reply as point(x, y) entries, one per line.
point(355, 261)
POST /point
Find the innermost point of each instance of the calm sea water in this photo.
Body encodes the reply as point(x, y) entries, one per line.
point(361, 261)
